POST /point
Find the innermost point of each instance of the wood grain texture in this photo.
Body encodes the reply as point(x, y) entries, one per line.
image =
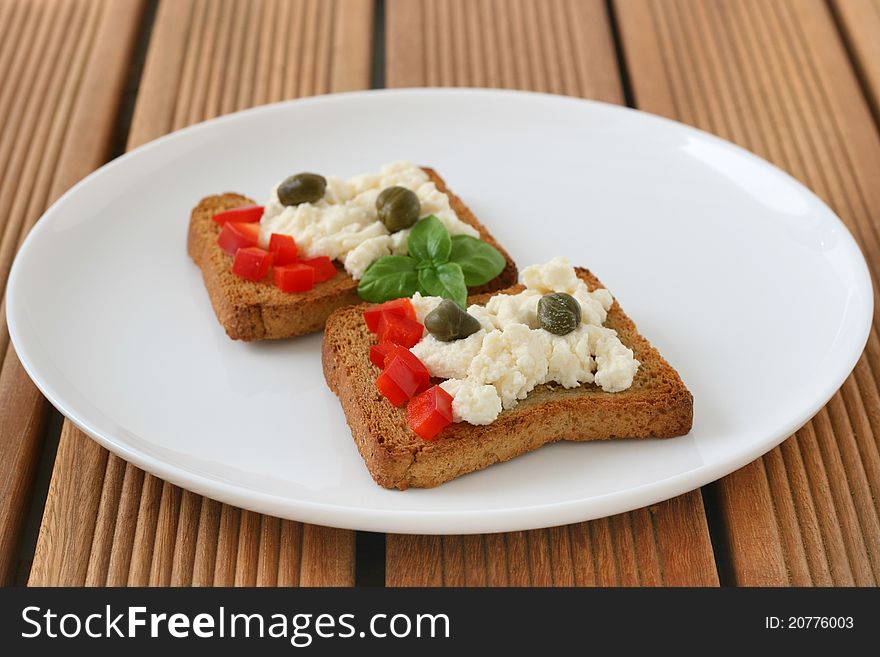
point(566, 47)
point(859, 20)
point(106, 522)
point(63, 65)
point(557, 46)
point(663, 545)
point(773, 76)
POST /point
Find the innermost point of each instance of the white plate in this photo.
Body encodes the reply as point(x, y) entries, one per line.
point(747, 283)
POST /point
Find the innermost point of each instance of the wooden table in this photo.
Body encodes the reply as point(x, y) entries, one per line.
point(796, 81)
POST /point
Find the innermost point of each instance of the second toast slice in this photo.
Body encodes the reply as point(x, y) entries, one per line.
point(657, 404)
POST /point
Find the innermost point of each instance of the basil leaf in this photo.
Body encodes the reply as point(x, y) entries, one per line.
point(389, 277)
point(480, 261)
point(445, 280)
point(429, 240)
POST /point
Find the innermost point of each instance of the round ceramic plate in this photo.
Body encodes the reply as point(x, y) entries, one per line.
point(747, 283)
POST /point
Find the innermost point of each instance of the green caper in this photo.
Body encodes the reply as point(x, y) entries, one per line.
point(302, 188)
point(398, 208)
point(559, 313)
point(448, 322)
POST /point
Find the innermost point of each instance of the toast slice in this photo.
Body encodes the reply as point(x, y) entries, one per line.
point(258, 310)
point(657, 405)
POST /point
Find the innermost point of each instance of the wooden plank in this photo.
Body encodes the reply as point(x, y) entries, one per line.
point(106, 522)
point(774, 77)
point(504, 44)
point(663, 545)
point(860, 23)
point(63, 66)
point(566, 47)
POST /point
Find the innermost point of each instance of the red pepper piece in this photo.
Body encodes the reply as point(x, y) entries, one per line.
point(399, 330)
point(294, 278)
point(235, 236)
point(323, 266)
point(252, 263)
point(283, 247)
point(411, 359)
point(246, 214)
point(401, 380)
point(379, 352)
point(430, 412)
point(402, 307)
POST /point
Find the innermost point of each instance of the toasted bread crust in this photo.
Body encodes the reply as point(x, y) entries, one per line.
point(250, 310)
point(657, 405)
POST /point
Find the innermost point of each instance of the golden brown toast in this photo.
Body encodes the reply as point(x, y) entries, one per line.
point(656, 405)
point(258, 310)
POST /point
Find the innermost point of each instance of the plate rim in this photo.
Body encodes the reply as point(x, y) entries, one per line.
point(432, 521)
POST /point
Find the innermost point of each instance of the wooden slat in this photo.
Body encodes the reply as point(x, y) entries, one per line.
point(773, 75)
point(63, 66)
point(662, 545)
point(106, 522)
point(860, 22)
point(560, 46)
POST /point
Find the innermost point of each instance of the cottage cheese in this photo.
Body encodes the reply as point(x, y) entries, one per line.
point(472, 402)
point(501, 363)
point(424, 305)
point(344, 225)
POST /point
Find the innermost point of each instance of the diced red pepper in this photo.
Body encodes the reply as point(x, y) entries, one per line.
point(245, 214)
point(401, 381)
point(323, 266)
point(283, 247)
point(430, 412)
point(402, 307)
point(252, 263)
point(411, 359)
point(379, 352)
point(294, 278)
point(389, 389)
point(236, 235)
point(399, 330)
point(382, 354)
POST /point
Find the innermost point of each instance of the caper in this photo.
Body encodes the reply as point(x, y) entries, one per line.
point(302, 188)
point(559, 313)
point(398, 208)
point(448, 322)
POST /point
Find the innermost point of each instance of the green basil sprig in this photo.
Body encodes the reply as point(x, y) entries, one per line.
point(480, 262)
point(390, 277)
point(437, 265)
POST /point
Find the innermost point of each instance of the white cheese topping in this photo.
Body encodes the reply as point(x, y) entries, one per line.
point(424, 305)
point(472, 402)
point(513, 359)
point(615, 365)
point(344, 225)
point(449, 360)
point(502, 362)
